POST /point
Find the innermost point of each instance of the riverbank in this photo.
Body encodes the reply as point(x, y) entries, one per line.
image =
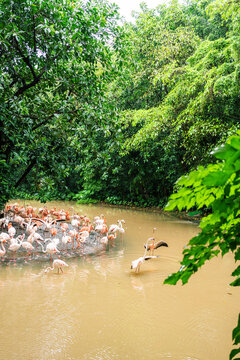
point(194, 216)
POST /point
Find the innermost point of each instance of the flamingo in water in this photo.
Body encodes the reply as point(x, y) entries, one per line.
point(51, 248)
point(57, 263)
point(2, 250)
point(15, 245)
point(153, 246)
point(136, 264)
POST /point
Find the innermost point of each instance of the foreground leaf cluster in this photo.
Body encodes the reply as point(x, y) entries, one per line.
point(215, 191)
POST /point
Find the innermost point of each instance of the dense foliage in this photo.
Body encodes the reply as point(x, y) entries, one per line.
point(97, 111)
point(216, 188)
point(55, 62)
point(177, 97)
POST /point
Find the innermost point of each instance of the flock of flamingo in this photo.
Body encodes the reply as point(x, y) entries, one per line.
point(54, 231)
point(57, 232)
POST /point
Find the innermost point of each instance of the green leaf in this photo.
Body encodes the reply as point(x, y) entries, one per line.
point(217, 178)
point(233, 353)
point(236, 282)
point(235, 142)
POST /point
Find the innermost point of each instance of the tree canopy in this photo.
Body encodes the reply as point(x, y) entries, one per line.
point(92, 109)
point(55, 62)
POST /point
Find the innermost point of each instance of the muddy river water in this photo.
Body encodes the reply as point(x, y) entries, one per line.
point(100, 309)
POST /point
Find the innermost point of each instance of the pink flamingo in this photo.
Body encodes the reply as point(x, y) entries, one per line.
point(74, 234)
point(66, 239)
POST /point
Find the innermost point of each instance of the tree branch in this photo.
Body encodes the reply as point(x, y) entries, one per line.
point(34, 35)
point(35, 81)
point(26, 172)
point(25, 58)
point(43, 122)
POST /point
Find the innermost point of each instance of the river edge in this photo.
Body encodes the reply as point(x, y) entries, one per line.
point(179, 214)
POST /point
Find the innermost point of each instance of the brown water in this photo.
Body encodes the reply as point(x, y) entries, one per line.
point(100, 309)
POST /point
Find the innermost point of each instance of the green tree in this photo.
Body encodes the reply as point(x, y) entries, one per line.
point(56, 57)
point(216, 188)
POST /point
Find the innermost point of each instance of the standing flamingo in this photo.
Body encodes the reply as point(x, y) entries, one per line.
point(112, 237)
point(53, 229)
point(2, 250)
point(14, 246)
point(121, 229)
point(154, 245)
point(74, 234)
point(66, 239)
point(51, 248)
point(26, 245)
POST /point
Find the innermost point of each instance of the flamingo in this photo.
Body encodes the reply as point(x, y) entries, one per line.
point(74, 234)
point(53, 230)
point(102, 228)
point(86, 220)
point(2, 250)
point(64, 227)
point(14, 246)
point(59, 264)
point(121, 229)
point(113, 228)
point(27, 246)
point(5, 236)
point(153, 246)
point(47, 223)
point(75, 223)
point(66, 239)
point(136, 264)
point(3, 222)
point(34, 236)
point(99, 219)
point(104, 240)
point(83, 237)
point(51, 248)
point(11, 230)
point(88, 228)
point(111, 237)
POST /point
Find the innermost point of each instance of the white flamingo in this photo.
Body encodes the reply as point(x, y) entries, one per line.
point(2, 250)
point(121, 229)
point(26, 245)
point(59, 264)
point(66, 239)
point(99, 220)
point(51, 248)
point(113, 228)
point(75, 223)
point(15, 245)
point(5, 236)
point(11, 230)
